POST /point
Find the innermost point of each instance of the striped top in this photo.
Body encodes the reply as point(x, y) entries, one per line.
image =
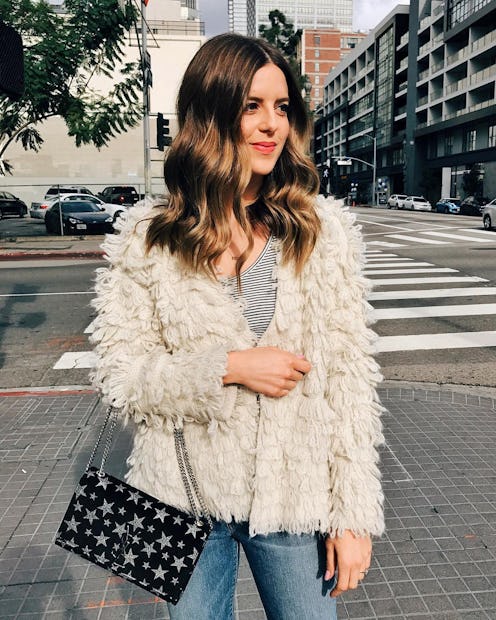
point(258, 290)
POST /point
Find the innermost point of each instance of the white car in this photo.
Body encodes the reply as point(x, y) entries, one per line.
point(417, 203)
point(489, 215)
point(39, 211)
point(396, 201)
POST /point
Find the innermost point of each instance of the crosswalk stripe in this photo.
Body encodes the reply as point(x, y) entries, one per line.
point(441, 280)
point(432, 293)
point(425, 312)
point(479, 232)
point(386, 244)
point(380, 272)
point(460, 340)
point(383, 256)
point(75, 359)
point(456, 237)
point(416, 239)
point(402, 264)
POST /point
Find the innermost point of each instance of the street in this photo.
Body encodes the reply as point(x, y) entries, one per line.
point(434, 299)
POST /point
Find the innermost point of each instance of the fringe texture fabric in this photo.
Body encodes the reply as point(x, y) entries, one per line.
point(306, 462)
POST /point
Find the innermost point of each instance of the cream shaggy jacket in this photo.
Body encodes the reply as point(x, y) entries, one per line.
point(302, 463)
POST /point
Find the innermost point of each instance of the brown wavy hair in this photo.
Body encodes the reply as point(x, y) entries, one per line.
point(208, 168)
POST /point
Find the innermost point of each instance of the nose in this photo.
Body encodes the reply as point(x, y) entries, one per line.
point(268, 120)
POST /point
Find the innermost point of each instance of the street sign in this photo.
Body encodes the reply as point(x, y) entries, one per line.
point(344, 162)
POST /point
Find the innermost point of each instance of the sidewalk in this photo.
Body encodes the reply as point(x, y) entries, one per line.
point(44, 247)
point(437, 560)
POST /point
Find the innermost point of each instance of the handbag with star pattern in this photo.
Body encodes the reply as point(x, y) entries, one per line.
point(134, 535)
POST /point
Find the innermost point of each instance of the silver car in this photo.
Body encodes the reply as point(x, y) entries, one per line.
point(417, 203)
point(39, 211)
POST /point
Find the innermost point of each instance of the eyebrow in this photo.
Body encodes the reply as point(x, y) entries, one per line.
point(260, 99)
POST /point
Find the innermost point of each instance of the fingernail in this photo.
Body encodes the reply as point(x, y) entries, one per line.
point(327, 575)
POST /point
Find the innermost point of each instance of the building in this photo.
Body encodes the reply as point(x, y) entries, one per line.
point(320, 50)
point(172, 41)
point(418, 97)
point(246, 16)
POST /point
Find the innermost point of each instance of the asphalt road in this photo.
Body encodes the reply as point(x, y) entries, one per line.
point(45, 304)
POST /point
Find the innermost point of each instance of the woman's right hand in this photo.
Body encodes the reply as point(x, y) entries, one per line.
point(266, 370)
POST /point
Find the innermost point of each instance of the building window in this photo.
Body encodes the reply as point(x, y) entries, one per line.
point(317, 66)
point(448, 144)
point(317, 79)
point(317, 92)
point(317, 53)
point(492, 136)
point(469, 140)
point(316, 39)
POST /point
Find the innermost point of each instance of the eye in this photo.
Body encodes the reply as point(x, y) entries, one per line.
point(251, 106)
point(283, 108)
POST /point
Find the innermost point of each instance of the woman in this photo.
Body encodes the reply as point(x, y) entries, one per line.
point(237, 311)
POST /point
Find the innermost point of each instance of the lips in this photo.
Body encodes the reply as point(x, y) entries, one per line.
point(264, 147)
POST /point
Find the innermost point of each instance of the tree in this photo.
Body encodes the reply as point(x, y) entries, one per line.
point(62, 57)
point(282, 35)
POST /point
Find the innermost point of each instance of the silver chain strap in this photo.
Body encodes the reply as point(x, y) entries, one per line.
point(187, 475)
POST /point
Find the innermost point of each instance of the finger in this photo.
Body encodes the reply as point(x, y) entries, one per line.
point(342, 582)
point(302, 365)
point(330, 559)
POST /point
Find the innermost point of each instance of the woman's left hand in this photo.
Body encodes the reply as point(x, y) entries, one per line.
point(352, 554)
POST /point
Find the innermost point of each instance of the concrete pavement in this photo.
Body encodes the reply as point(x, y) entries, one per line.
point(44, 247)
point(437, 559)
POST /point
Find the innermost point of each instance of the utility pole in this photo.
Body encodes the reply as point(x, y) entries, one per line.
point(145, 61)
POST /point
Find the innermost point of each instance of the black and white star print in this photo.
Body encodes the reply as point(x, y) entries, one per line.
point(128, 532)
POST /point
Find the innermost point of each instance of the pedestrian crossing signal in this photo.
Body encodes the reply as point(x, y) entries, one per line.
point(163, 137)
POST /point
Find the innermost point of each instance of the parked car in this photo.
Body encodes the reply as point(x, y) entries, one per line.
point(11, 205)
point(417, 203)
point(489, 215)
point(78, 217)
point(113, 210)
point(55, 190)
point(396, 201)
point(473, 205)
point(448, 205)
point(119, 195)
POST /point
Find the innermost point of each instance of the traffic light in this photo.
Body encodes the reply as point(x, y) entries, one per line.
point(11, 62)
point(163, 137)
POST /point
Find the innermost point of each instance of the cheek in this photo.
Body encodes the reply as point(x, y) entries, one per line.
point(246, 128)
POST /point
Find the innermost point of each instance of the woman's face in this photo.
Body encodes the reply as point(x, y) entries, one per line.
point(264, 124)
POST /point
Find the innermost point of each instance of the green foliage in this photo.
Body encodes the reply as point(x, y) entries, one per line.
point(282, 35)
point(62, 57)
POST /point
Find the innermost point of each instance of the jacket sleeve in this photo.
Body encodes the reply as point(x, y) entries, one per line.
point(353, 374)
point(135, 369)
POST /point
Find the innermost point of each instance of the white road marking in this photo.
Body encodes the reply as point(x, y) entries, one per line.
point(441, 280)
point(386, 244)
point(76, 359)
point(416, 240)
point(398, 265)
point(479, 232)
point(379, 272)
point(424, 312)
point(377, 223)
point(456, 237)
point(37, 294)
point(381, 259)
point(425, 342)
point(380, 255)
point(432, 293)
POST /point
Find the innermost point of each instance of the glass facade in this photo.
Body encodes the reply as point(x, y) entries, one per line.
point(309, 13)
point(384, 96)
point(241, 15)
point(459, 10)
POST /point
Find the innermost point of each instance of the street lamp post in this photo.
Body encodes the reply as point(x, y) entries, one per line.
point(374, 169)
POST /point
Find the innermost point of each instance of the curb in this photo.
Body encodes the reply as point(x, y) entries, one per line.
point(52, 390)
point(51, 254)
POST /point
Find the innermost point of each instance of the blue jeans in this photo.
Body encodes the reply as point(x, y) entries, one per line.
point(287, 569)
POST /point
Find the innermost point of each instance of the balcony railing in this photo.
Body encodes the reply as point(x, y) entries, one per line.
point(485, 74)
point(404, 38)
point(456, 86)
point(424, 22)
point(457, 56)
point(425, 48)
point(402, 86)
point(482, 104)
point(403, 63)
point(455, 113)
point(424, 74)
point(490, 37)
point(423, 100)
point(400, 111)
point(437, 67)
point(439, 9)
point(436, 94)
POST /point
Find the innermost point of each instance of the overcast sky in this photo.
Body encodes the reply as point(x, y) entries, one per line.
point(366, 13)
